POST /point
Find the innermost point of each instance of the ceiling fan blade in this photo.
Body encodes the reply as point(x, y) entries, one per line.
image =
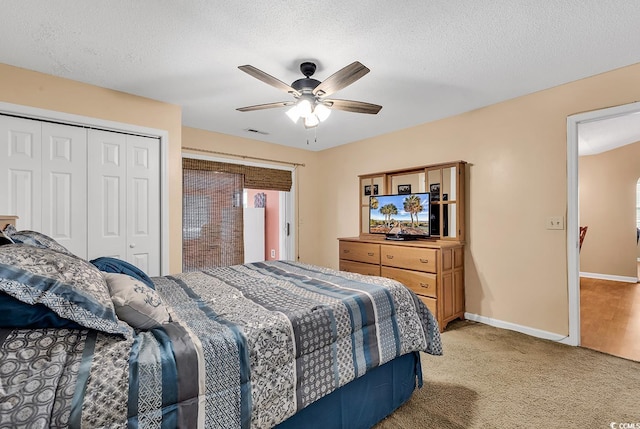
point(340, 79)
point(354, 106)
point(266, 106)
point(267, 78)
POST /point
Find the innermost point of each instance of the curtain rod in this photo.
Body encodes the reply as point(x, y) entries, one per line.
point(295, 164)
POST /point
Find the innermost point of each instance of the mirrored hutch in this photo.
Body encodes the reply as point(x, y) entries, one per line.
point(433, 266)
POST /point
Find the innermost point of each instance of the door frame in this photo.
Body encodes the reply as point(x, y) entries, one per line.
point(573, 208)
point(288, 247)
point(36, 113)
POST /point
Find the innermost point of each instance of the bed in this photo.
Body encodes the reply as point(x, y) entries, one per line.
point(260, 345)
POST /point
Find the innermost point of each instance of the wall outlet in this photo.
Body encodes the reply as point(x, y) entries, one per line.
point(555, 222)
point(273, 253)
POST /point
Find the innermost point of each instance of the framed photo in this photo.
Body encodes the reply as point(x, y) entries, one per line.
point(404, 189)
point(371, 189)
point(434, 189)
point(434, 210)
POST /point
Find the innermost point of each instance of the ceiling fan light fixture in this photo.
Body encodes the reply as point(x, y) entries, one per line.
point(293, 114)
point(322, 112)
point(310, 103)
point(311, 121)
point(304, 106)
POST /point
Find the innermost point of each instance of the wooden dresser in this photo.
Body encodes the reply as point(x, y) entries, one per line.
point(434, 270)
point(7, 220)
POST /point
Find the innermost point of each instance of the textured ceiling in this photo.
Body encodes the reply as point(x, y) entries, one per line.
point(428, 59)
point(607, 134)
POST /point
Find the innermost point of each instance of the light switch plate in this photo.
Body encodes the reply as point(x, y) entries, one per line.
point(555, 222)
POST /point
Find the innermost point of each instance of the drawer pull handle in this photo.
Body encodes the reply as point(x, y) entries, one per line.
point(370, 253)
point(345, 251)
point(425, 285)
point(424, 261)
point(390, 256)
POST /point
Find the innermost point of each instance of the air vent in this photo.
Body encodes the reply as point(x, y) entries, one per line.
point(252, 130)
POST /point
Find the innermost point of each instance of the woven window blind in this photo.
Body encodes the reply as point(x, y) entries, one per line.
point(212, 227)
point(254, 177)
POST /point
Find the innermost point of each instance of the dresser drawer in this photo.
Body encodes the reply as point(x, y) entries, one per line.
point(419, 282)
point(360, 252)
point(431, 305)
point(413, 258)
point(360, 268)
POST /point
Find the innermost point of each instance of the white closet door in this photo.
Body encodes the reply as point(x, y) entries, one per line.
point(143, 203)
point(106, 181)
point(64, 186)
point(20, 164)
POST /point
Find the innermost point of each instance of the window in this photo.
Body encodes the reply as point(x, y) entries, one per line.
point(212, 219)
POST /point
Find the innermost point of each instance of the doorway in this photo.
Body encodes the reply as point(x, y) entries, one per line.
point(226, 212)
point(573, 216)
point(272, 225)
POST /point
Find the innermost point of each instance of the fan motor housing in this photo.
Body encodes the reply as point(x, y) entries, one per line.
point(306, 84)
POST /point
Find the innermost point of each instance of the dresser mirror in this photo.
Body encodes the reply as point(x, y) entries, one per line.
point(407, 183)
point(444, 182)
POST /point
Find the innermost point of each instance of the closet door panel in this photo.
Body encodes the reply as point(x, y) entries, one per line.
point(96, 192)
point(143, 202)
point(64, 185)
point(20, 164)
point(106, 180)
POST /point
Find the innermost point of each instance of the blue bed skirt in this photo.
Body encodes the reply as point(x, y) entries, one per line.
point(365, 401)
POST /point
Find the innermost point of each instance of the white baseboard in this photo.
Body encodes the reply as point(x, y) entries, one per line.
point(564, 339)
point(609, 277)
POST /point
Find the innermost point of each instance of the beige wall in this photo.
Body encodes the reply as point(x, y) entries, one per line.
point(29, 88)
point(607, 184)
point(516, 270)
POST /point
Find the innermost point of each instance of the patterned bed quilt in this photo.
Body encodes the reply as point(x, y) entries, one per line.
point(248, 346)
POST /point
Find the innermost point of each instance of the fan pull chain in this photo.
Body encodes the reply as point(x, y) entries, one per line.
point(315, 135)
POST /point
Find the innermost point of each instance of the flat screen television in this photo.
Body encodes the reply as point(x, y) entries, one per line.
point(400, 217)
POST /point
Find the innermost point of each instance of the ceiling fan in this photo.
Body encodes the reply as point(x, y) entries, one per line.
point(309, 94)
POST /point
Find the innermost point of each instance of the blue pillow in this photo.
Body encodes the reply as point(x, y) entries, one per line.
point(18, 314)
point(4, 239)
point(115, 265)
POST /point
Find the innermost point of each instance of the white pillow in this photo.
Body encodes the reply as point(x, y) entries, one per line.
point(135, 302)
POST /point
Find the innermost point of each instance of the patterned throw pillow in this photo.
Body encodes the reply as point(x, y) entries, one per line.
point(69, 286)
point(38, 239)
point(135, 303)
point(115, 265)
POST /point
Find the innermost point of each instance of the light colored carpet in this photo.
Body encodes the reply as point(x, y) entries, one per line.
point(496, 378)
